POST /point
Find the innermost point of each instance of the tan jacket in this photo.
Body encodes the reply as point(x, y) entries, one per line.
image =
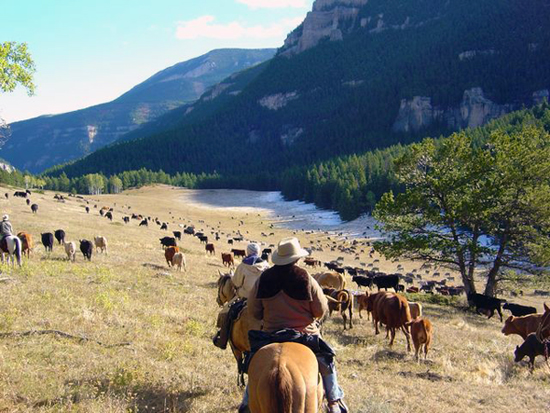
point(246, 276)
point(287, 297)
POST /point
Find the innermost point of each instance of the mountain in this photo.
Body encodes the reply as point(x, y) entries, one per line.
point(356, 75)
point(39, 143)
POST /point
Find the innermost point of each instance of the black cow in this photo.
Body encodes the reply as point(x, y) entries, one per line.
point(28, 192)
point(126, 220)
point(20, 194)
point(386, 281)
point(267, 251)
point(86, 247)
point(168, 242)
point(164, 226)
point(189, 231)
point(484, 302)
point(531, 347)
point(34, 208)
point(47, 241)
point(109, 215)
point(177, 235)
point(144, 223)
point(362, 281)
point(204, 239)
point(519, 310)
point(60, 236)
point(28, 201)
point(87, 210)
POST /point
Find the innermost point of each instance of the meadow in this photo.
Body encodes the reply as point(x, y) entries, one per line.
point(145, 329)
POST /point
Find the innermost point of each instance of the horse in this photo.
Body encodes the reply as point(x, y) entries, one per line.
point(543, 331)
point(284, 377)
point(11, 245)
point(238, 338)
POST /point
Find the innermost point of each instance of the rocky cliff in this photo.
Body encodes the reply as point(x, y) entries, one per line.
point(475, 110)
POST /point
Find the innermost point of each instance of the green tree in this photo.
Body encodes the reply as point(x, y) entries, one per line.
point(115, 184)
point(474, 208)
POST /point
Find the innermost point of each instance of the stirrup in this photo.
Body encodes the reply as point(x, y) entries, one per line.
point(216, 340)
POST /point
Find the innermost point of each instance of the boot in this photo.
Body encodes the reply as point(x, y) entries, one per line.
point(338, 407)
point(221, 338)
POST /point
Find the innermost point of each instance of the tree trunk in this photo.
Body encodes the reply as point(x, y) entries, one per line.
point(469, 286)
point(491, 286)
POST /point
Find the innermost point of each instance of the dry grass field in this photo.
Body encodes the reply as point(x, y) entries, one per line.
point(164, 321)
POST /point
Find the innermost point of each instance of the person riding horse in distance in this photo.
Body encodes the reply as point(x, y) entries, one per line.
point(287, 297)
point(6, 229)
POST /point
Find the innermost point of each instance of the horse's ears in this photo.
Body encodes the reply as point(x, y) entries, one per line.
point(219, 272)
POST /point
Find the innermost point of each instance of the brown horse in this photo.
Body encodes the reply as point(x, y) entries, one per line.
point(238, 339)
point(543, 332)
point(284, 378)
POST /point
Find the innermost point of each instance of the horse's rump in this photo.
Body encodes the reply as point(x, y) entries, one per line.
point(284, 378)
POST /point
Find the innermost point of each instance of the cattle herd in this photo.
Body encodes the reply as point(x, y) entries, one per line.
point(389, 309)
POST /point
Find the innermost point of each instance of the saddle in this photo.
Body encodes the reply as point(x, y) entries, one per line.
point(258, 339)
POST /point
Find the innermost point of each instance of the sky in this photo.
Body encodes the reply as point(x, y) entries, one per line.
point(90, 52)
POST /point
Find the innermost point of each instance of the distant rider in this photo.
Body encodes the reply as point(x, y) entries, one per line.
point(5, 231)
point(246, 275)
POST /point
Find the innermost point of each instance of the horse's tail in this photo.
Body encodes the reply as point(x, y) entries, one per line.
point(281, 382)
point(18, 250)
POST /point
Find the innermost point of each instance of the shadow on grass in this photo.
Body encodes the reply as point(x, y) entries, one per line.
point(155, 266)
point(428, 375)
point(386, 354)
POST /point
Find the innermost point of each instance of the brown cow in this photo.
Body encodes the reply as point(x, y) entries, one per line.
point(238, 253)
point(421, 332)
point(227, 259)
point(522, 326)
point(26, 243)
point(393, 311)
point(362, 302)
point(210, 249)
point(169, 254)
point(416, 310)
point(331, 280)
point(311, 262)
point(342, 300)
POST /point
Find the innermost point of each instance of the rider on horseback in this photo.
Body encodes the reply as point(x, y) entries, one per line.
point(5, 229)
point(246, 274)
point(287, 297)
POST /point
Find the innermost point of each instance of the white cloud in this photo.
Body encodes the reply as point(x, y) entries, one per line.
point(205, 27)
point(274, 4)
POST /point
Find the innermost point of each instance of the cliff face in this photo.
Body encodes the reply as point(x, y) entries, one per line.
point(329, 19)
point(475, 110)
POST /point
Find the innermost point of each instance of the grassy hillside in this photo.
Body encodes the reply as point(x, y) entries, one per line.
point(129, 295)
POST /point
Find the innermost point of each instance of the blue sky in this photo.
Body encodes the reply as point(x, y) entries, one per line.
point(89, 52)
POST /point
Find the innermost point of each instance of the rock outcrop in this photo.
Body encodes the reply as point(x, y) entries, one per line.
point(475, 110)
point(329, 19)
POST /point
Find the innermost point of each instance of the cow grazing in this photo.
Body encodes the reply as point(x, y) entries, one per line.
point(484, 302)
point(87, 210)
point(28, 201)
point(177, 235)
point(168, 242)
point(416, 310)
point(227, 260)
point(70, 250)
point(522, 326)
point(178, 260)
point(101, 243)
point(20, 194)
point(386, 281)
point(47, 241)
point(311, 262)
point(109, 215)
point(169, 254)
point(531, 347)
point(238, 253)
point(203, 239)
point(164, 226)
point(26, 243)
point(144, 223)
point(331, 280)
point(341, 301)
point(126, 220)
point(59, 236)
point(421, 333)
point(393, 311)
point(189, 231)
point(87, 248)
point(34, 208)
point(519, 310)
point(210, 249)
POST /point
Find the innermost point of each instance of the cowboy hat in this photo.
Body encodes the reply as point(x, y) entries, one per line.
point(5, 218)
point(288, 251)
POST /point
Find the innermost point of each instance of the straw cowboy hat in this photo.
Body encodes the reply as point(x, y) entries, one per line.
point(288, 251)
